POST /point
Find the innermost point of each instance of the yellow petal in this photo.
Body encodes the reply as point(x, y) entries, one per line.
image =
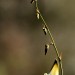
point(55, 69)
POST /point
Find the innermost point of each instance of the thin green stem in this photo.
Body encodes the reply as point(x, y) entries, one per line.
point(49, 32)
point(54, 45)
point(52, 39)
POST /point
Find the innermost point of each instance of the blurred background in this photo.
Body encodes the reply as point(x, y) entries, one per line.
point(22, 39)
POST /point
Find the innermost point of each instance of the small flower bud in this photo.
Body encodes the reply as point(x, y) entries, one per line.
point(46, 48)
point(51, 43)
point(60, 57)
point(37, 13)
point(45, 30)
point(45, 74)
point(32, 1)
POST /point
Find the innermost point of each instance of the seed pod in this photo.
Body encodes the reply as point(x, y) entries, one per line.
point(46, 48)
point(45, 30)
point(37, 13)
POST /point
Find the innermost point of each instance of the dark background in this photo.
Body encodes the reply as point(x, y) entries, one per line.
point(22, 39)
